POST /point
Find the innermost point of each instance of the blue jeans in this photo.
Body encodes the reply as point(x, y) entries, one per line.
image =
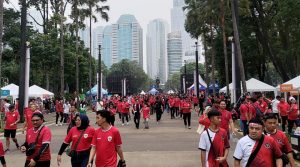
point(81, 159)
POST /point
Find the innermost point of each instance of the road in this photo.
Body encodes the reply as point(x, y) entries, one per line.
point(167, 144)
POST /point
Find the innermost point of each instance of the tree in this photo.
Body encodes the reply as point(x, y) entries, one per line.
point(62, 67)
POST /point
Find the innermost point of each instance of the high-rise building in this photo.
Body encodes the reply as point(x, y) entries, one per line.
point(178, 17)
point(157, 50)
point(174, 48)
point(127, 40)
point(106, 51)
point(84, 35)
point(97, 39)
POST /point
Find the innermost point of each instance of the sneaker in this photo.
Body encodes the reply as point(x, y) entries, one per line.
point(127, 123)
point(60, 124)
point(122, 124)
point(6, 151)
point(190, 127)
point(56, 124)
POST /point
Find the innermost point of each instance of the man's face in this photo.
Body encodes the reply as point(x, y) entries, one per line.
point(216, 120)
point(281, 99)
point(36, 121)
point(255, 130)
point(100, 120)
point(222, 105)
point(270, 124)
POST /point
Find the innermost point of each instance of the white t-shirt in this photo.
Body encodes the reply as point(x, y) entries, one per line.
point(67, 108)
point(244, 149)
point(274, 105)
point(204, 143)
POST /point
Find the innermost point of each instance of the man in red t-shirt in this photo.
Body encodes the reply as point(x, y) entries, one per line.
point(106, 143)
point(59, 112)
point(269, 153)
point(226, 119)
point(186, 107)
point(40, 136)
point(125, 112)
point(12, 117)
point(270, 122)
point(283, 108)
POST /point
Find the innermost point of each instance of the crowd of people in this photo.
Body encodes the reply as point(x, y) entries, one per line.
point(263, 144)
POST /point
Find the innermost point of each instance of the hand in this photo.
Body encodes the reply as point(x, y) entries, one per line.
point(221, 159)
point(23, 149)
point(32, 163)
point(89, 165)
point(58, 160)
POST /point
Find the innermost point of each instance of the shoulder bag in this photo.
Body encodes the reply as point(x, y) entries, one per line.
point(72, 153)
point(254, 153)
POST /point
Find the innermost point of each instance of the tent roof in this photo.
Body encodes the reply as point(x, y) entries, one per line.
point(95, 90)
point(14, 89)
point(35, 90)
point(254, 85)
point(295, 81)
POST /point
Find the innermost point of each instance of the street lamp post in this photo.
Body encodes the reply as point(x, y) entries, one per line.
point(184, 78)
point(197, 72)
point(99, 74)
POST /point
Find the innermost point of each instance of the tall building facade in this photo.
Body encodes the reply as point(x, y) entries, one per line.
point(178, 17)
point(127, 40)
point(84, 35)
point(174, 49)
point(106, 50)
point(157, 50)
point(97, 39)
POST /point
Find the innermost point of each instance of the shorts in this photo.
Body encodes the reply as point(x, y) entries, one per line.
point(10, 133)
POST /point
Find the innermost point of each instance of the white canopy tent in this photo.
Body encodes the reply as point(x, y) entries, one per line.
point(153, 91)
point(170, 92)
point(142, 92)
point(14, 90)
point(36, 91)
point(295, 81)
point(253, 85)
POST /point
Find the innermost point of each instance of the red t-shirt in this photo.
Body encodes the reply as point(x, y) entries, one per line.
point(59, 107)
point(177, 102)
point(112, 111)
point(1, 149)
point(44, 137)
point(293, 114)
point(125, 107)
point(195, 100)
point(282, 141)
point(204, 121)
point(85, 141)
point(263, 106)
point(146, 112)
point(244, 109)
point(28, 114)
point(171, 102)
point(105, 143)
point(185, 107)
point(119, 106)
point(11, 118)
point(225, 118)
point(283, 108)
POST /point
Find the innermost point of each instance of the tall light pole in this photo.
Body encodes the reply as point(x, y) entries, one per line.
point(99, 74)
point(22, 59)
point(197, 72)
point(184, 78)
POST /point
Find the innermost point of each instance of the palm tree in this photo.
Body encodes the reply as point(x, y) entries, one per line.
point(238, 45)
point(222, 7)
point(102, 11)
point(1, 35)
point(62, 67)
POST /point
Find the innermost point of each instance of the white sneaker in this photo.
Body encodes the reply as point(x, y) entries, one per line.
point(127, 123)
point(122, 124)
point(60, 124)
point(56, 124)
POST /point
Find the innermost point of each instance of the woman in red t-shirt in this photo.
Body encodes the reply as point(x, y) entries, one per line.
point(146, 114)
point(185, 107)
point(82, 132)
point(293, 114)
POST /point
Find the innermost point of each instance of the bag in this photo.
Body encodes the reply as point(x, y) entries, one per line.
point(121, 164)
point(200, 129)
point(259, 113)
point(72, 153)
point(31, 146)
point(254, 153)
point(285, 159)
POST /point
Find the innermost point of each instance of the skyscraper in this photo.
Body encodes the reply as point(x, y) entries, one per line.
point(97, 39)
point(156, 50)
point(177, 24)
point(127, 40)
point(106, 51)
point(174, 49)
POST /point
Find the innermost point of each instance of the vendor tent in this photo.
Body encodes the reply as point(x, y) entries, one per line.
point(254, 85)
point(36, 91)
point(14, 90)
point(170, 92)
point(94, 91)
point(295, 81)
point(142, 92)
point(153, 91)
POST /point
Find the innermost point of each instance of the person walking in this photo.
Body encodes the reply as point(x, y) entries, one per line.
point(293, 114)
point(106, 143)
point(59, 112)
point(66, 107)
point(112, 109)
point(274, 104)
point(12, 117)
point(158, 107)
point(37, 143)
point(256, 149)
point(137, 113)
point(2, 153)
point(185, 108)
point(125, 112)
point(214, 144)
point(226, 118)
point(146, 114)
point(283, 108)
point(270, 122)
point(81, 138)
